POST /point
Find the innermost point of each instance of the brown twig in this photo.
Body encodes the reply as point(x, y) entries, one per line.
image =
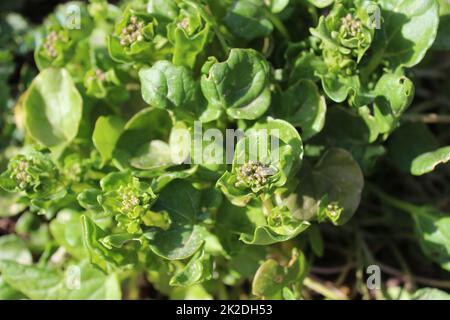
point(430, 118)
point(445, 284)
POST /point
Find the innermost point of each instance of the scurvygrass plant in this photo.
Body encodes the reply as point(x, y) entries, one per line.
point(99, 178)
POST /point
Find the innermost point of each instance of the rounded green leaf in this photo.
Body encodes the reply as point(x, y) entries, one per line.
point(53, 108)
point(41, 283)
point(427, 162)
point(321, 3)
point(337, 178)
point(408, 30)
point(13, 248)
point(185, 235)
point(304, 107)
point(240, 85)
point(430, 294)
point(145, 126)
point(271, 277)
point(402, 153)
point(167, 86)
point(248, 19)
point(265, 235)
point(106, 134)
point(67, 231)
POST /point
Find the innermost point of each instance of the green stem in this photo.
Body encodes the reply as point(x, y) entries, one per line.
point(267, 203)
point(372, 66)
point(133, 287)
point(323, 290)
point(206, 14)
point(404, 265)
point(396, 203)
point(278, 25)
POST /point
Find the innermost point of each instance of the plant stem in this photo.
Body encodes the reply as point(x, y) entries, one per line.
point(267, 203)
point(206, 14)
point(278, 25)
point(409, 277)
point(427, 118)
point(445, 284)
point(330, 293)
point(396, 203)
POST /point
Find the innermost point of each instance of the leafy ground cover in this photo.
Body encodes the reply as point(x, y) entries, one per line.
point(98, 200)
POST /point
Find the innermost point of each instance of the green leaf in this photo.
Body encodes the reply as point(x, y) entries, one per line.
point(336, 178)
point(316, 240)
point(145, 126)
point(196, 292)
point(189, 33)
point(53, 108)
point(408, 30)
point(11, 204)
point(8, 293)
point(268, 281)
point(272, 278)
point(163, 9)
point(433, 232)
point(105, 258)
point(167, 177)
point(432, 228)
point(321, 3)
point(88, 199)
point(277, 6)
point(443, 37)
point(13, 248)
point(427, 162)
point(106, 135)
point(248, 19)
point(156, 156)
point(257, 152)
point(394, 94)
point(304, 107)
point(66, 228)
point(240, 220)
point(30, 226)
point(358, 137)
point(245, 263)
point(118, 240)
point(265, 235)
point(430, 294)
point(167, 86)
point(197, 270)
point(145, 47)
point(239, 86)
point(78, 282)
point(338, 88)
point(402, 153)
point(185, 235)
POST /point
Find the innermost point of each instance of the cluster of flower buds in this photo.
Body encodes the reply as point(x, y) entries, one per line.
point(253, 174)
point(129, 201)
point(73, 171)
point(184, 24)
point(350, 26)
point(50, 42)
point(132, 33)
point(21, 176)
point(334, 210)
point(100, 75)
point(275, 219)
